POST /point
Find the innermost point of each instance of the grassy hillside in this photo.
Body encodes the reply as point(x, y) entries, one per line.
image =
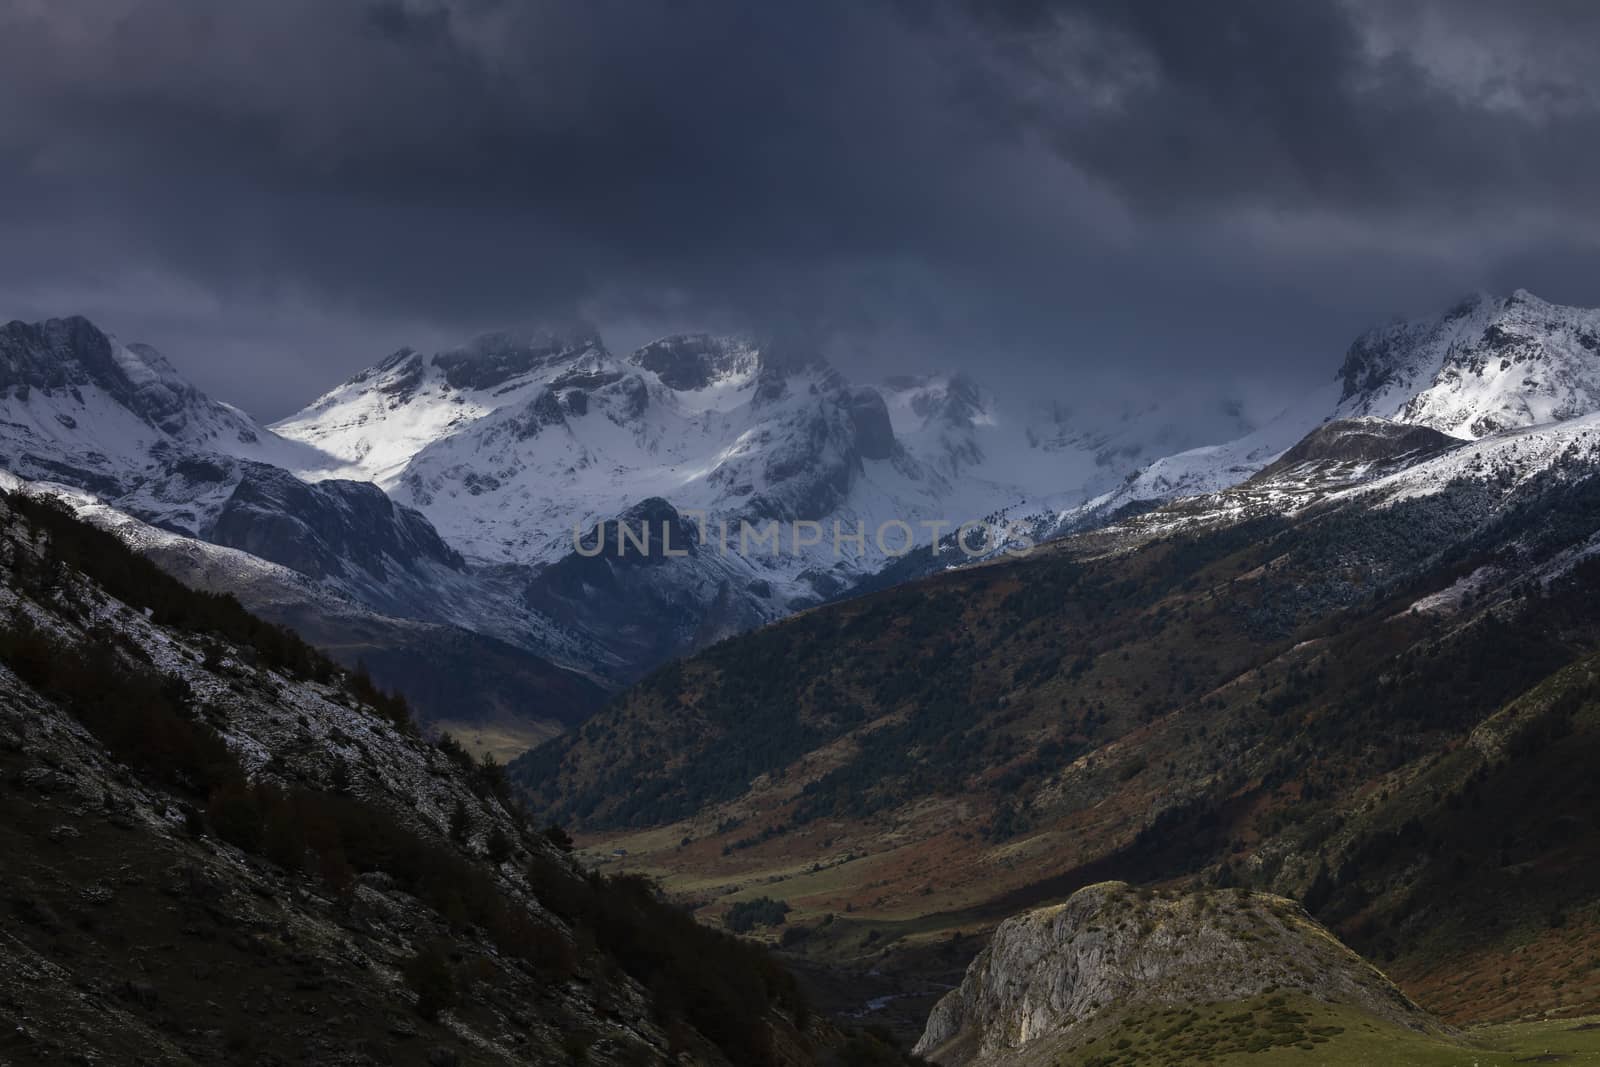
point(1290, 1031)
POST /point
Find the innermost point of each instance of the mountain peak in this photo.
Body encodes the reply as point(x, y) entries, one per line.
point(693, 361)
point(941, 399)
point(55, 353)
point(1482, 301)
point(491, 359)
point(1488, 364)
point(72, 354)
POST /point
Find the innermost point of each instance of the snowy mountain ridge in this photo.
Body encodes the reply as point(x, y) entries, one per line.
point(1486, 366)
point(73, 396)
point(560, 435)
point(449, 487)
point(81, 413)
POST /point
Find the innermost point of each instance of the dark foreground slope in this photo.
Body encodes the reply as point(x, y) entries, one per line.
point(220, 847)
point(1381, 704)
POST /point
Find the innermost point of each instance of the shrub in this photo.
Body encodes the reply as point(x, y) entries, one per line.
point(558, 837)
point(746, 915)
point(499, 845)
point(429, 975)
point(235, 816)
point(794, 935)
point(460, 823)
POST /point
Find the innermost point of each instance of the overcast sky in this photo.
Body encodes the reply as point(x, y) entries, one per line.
point(278, 193)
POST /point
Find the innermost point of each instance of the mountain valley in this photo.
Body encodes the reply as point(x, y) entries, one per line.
point(1347, 659)
point(1047, 533)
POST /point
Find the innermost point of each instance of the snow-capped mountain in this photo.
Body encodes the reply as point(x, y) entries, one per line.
point(205, 489)
point(76, 401)
point(451, 487)
point(517, 450)
point(510, 446)
point(84, 410)
point(1486, 366)
point(375, 423)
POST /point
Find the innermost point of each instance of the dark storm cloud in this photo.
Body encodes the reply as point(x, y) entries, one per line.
point(1039, 186)
point(478, 155)
point(1261, 103)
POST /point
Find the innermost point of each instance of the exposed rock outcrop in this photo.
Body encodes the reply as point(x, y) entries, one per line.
point(694, 361)
point(1058, 976)
point(328, 528)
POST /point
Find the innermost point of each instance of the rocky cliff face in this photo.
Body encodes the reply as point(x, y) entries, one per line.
point(330, 528)
point(692, 362)
point(1058, 976)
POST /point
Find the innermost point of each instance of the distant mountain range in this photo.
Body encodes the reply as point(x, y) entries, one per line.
point(443, 493)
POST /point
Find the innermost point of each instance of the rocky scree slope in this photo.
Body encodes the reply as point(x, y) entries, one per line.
point(218, 844)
